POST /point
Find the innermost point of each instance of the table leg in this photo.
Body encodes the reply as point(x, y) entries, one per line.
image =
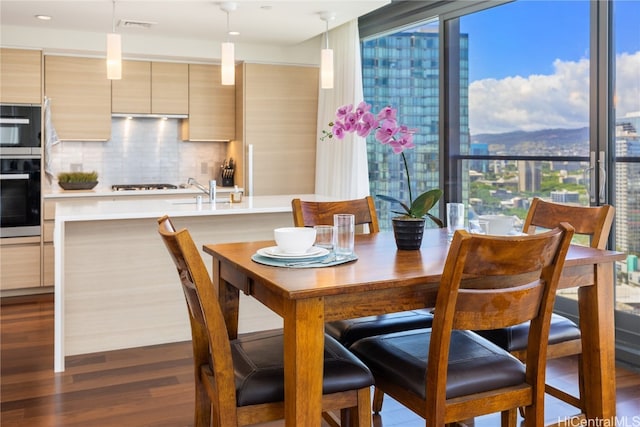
point(596, 308)
point(303, 361)
point(229, 298)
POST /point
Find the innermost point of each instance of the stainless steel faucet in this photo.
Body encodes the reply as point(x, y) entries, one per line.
point(211, 191)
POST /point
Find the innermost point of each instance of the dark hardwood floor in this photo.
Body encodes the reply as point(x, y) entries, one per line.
point(152, 386)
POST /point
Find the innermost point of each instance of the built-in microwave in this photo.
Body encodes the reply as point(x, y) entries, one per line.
point(20, 129)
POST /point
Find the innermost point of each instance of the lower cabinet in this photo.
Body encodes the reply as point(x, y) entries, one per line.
point(48, 278)
point(19, 263)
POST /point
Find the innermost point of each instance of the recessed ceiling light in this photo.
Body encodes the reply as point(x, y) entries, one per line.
point(43, 17)
point(234, 33)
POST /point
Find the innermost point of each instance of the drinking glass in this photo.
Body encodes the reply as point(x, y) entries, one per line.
point(479, 226)
point(345, 233)
point(455, 218)
point(325, 236)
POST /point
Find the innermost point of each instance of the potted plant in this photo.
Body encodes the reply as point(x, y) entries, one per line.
point(409, 225)
point(77, 180)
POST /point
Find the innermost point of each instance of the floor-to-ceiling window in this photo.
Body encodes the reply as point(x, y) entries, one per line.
point(624, 167)
point(401, 70)
point(523, 111)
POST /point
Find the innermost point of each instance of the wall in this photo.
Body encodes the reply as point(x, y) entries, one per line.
point(142, 150)
point(155, 48)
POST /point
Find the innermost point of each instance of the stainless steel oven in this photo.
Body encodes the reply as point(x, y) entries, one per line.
point(20, 130)
point(19, 196)
point(20, 170)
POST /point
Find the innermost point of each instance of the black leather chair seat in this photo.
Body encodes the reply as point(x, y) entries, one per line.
point(514, 338)
point(351, 330)
point(259, 371)
point(475, 364)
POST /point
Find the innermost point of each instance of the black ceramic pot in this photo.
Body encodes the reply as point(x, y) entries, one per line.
point(408, 232)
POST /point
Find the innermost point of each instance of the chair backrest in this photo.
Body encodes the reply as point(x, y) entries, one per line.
point(594, 221)
point(308, 214)
point(210, 340)
point(491, 282)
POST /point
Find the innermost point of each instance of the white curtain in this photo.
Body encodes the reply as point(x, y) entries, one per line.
point(341, 165)
point(50, 139)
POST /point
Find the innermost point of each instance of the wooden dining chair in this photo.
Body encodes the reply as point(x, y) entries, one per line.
point(241, 381)
point(448, 373)
point(348, 331)
point(564, 335)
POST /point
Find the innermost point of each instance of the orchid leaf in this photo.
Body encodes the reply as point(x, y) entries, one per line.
point(425, 202)
point(407, 211)
point(437, 220)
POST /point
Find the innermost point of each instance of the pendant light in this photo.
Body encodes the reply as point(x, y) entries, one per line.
point(326, 55)
point(228, 62)
point(114, 50)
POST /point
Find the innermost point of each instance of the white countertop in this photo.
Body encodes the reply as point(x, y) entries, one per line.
point(59, 193)
point(96, 209)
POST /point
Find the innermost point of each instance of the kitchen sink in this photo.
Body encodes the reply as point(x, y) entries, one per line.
point(193, 201)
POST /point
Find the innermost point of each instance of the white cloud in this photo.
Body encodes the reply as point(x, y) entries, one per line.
point(559, 100)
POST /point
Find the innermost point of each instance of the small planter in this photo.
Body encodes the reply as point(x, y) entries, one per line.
point(408, 232)
point(78, 185)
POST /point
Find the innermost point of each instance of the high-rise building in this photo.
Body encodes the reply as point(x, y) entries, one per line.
point(565, 197)
point(529, 176)
point(402, 70)
point(627, 185)
point(479, 149)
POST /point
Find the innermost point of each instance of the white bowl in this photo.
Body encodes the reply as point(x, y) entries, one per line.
point(294, 240)
point(500, 225)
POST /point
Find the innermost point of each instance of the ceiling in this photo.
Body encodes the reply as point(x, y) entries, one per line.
point(272, 22)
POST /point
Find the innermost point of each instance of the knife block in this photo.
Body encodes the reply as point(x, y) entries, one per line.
point(226, 176)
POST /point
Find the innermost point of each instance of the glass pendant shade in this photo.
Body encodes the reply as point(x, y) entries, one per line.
point(114, 56)
point(228, 68)
point(326, 69)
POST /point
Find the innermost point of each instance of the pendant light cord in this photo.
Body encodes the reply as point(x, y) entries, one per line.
point(326, 34)
point(113, 17)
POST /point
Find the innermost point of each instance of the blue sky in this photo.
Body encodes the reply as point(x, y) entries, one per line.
point(529, 64)
point(531, 34)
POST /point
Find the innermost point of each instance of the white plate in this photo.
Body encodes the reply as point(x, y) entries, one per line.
point(274, 252)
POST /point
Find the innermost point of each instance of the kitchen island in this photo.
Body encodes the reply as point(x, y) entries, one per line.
point(115, 284)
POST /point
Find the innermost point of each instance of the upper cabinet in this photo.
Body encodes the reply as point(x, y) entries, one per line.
point(211, 106)
point(169, 88)
point(80, 97)
point(20, 76)
point(284, 149)
point(151, 88)
point(132, 93)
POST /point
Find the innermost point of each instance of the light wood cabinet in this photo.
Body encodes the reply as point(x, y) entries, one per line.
point(48, 270)
point(132, 93)
point(281, 129)
point(80, 97)
point(151, 88)
point(19, 263)
point(20, 76)
point(211, 106)
point(169, 88)
point(48, 217)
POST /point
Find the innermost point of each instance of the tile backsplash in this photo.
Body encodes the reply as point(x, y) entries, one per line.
point(141, 150)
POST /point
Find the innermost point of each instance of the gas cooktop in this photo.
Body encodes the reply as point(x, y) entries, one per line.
point(138, 187)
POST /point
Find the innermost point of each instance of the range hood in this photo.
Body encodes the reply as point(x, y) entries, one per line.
point(151, 116)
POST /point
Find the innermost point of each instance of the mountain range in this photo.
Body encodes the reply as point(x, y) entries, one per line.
point(523, 142)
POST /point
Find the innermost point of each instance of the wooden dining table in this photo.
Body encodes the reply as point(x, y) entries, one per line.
point(382, 280)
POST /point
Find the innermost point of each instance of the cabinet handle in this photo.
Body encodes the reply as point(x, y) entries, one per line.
point(14, 176)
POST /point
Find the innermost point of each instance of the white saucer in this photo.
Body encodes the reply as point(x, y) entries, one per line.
point(274, 252)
